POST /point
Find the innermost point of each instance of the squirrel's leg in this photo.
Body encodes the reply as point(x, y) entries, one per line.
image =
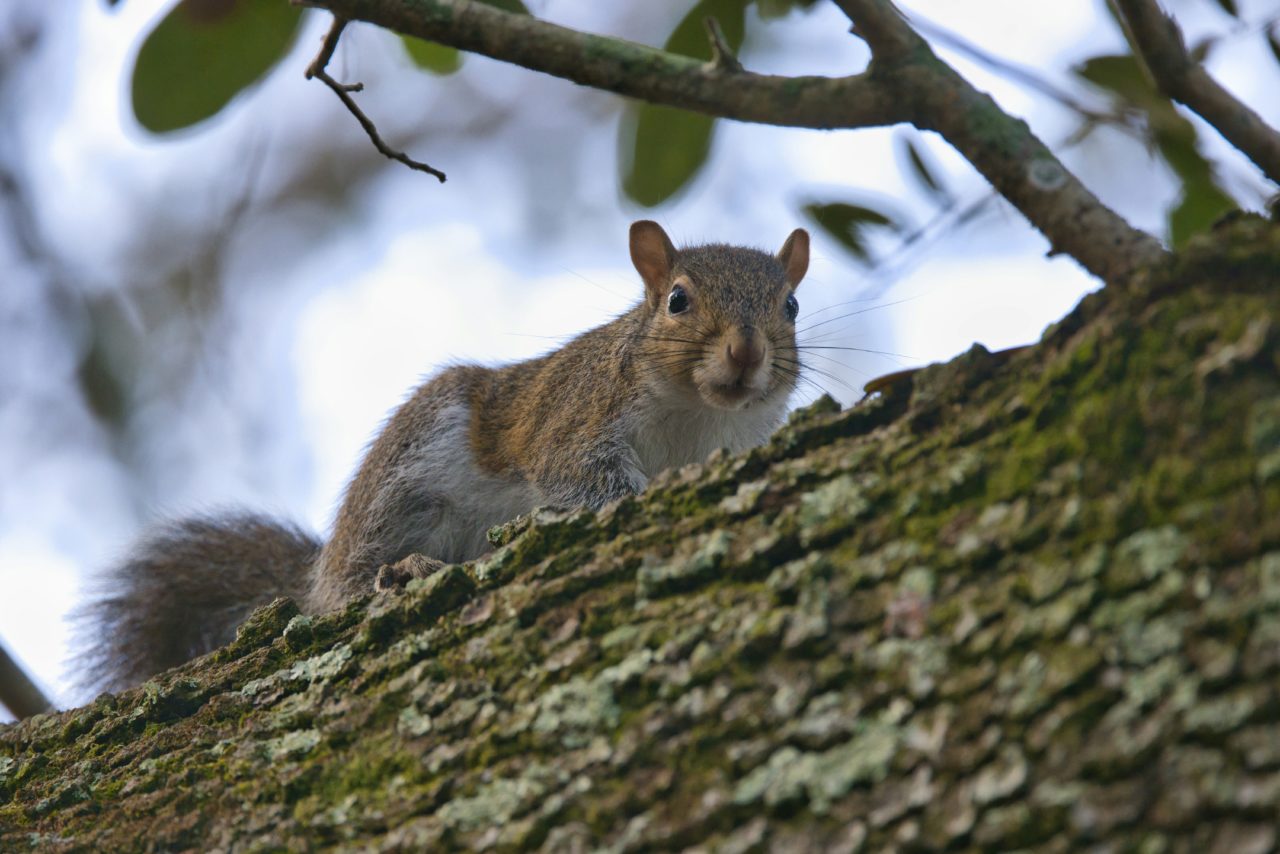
point(603, 477)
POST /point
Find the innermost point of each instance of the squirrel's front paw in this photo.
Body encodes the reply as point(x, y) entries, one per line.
point(394, 576)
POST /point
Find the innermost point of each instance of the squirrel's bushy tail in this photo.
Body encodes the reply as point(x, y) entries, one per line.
point(183, 590)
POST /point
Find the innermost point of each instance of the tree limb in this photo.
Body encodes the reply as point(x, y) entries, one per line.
point(905, 83)
point(1001, 147)
point(1159, 41)
point(631, 69)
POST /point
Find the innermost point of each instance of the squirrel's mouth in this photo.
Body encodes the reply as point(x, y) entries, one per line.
point(732, 395)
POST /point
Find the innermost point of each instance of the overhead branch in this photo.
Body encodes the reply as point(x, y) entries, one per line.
point(1001, 147)
point(906, 82)
point(1162, 48)
point(631, 69)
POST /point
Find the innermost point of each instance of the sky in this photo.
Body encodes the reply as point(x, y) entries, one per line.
point(523, 247)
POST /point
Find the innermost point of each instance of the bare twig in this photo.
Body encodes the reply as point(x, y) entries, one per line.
point(18, 693)
point(344, 90)
point(1159, 41)
point(906, 82)
point(722, 56)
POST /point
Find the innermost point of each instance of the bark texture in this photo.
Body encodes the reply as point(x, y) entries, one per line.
point(1022, 602)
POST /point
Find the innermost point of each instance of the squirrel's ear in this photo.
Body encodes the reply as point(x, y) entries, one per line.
point(653, 255)
point(794, 256)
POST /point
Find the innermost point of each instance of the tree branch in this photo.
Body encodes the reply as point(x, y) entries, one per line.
point(906, 82)
point(1160, 43)
point(627, 68)
point(18, 693)
point(1001, 147)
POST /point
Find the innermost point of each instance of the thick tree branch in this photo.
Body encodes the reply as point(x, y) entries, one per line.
point(1162, 48)
point(628, 68)
point(905, 83)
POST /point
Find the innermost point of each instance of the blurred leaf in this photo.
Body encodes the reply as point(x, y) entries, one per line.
point(439, 59)
point(433, 57)
point(1200, 51)
point(1201, 205)
point(922, 169)
point(848, 224)
point(204, 53)
point(1229, 6)
point(781, 8)
point(1273, 41)
point(668, 147)
point(664, 147)
point(1122, 76)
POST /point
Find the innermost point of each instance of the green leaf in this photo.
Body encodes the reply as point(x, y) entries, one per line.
point(848, 224)
point(922, 168)
point(663, 148)
point(1201, 205)
point(1122, 76)
point(1273, 41)
point(204, 53)
point(432, 57)
point(667, 148)
point(439, 59)
point(1200, 51)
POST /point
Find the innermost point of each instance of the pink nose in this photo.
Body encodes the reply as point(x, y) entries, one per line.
point(745, 350)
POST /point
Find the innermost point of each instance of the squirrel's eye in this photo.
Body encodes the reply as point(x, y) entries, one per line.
point(793, 307)
point(678, 301)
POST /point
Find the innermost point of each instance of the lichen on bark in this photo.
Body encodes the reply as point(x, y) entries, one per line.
point(1022, 601)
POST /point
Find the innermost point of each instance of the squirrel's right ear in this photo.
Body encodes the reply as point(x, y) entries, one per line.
point(653, 255)
point(794, 256)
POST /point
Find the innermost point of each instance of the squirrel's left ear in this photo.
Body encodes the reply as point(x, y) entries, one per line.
point(794, 256)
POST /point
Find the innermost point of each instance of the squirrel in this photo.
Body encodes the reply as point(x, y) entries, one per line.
point(708, 359)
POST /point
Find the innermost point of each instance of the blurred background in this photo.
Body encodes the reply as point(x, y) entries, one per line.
point(206, 305)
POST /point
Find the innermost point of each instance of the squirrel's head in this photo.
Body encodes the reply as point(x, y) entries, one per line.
point(721, 319)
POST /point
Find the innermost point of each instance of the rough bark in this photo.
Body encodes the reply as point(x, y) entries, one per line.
point(1021, 602)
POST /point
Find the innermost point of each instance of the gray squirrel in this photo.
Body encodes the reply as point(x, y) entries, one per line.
point(707, 360)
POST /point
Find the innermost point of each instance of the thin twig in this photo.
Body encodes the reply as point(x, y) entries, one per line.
point(1158, 40)
point(343, 91)
point(722, 56)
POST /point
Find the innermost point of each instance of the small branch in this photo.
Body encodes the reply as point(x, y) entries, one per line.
point(722, 56)
point(1159, 41)
point(18, 693)
point(343, 91)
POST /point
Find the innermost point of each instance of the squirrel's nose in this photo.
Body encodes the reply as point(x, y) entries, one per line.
point(744, 349)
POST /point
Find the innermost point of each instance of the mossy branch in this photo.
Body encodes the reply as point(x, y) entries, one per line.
point(905, 83)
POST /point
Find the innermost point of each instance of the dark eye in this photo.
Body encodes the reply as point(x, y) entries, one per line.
point(678, 301)
point(793, 307)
